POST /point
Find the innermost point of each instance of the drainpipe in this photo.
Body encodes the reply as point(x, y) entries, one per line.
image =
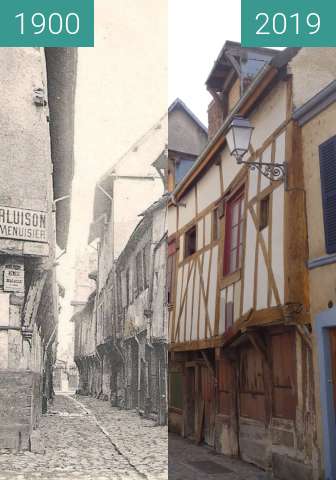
point(60, 199)
point(55, 202)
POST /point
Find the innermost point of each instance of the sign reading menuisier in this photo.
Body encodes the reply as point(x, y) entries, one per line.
point(47, 23)
point(20, 224)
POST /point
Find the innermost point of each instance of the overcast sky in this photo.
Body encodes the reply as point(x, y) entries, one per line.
point(142, 51)
point(197, 32)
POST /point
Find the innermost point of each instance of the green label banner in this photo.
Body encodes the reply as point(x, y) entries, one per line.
point(288, 23)
point(47, 23)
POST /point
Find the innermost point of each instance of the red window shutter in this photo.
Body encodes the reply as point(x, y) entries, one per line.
point(171, 247)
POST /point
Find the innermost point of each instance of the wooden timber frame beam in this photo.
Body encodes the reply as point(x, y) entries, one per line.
point(33, 299)
point(305, 335)
point(244, 106)
point(208, 363)
point(258, 343)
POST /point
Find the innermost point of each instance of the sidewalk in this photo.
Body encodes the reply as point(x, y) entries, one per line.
point(188, 461)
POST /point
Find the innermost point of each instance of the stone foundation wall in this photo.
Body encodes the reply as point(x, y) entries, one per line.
point(20, 407)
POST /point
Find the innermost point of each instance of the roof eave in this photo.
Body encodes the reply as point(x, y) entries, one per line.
point(218, 140)
point(266, 75)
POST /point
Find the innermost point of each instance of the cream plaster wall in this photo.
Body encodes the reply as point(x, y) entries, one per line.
point(322, 280)
point(312, 69)
point(208, 188)
point(188, 212)
point(269, 115)
point(317, 131)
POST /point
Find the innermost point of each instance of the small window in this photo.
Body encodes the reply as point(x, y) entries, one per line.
point(215, 225)
point(264, 213)
point(139, 273)
point(127, 287)
point(145, 257)
point(171, 269)
point(234, 233)
point(190, 242)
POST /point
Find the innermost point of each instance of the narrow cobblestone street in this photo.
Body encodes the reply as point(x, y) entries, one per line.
point(88, 439)
point(188, 461)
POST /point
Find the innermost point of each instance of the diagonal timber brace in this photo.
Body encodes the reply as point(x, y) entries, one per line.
point(208, 363)
point(33, 301)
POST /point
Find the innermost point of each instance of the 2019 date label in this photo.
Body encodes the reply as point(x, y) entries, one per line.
point(288, 23)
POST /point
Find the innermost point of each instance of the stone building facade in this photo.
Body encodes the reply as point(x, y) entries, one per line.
point(37, 89)
point(127, 318)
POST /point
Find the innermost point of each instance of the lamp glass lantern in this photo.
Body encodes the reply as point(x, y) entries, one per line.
point(239, 136)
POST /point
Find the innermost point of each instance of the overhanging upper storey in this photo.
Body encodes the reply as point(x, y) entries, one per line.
point(61, 73)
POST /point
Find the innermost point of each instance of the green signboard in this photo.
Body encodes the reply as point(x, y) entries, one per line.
point(47, 23)
point(288, 23)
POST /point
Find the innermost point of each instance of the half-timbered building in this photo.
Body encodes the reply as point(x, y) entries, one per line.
point(241, 365)
point(121, 333)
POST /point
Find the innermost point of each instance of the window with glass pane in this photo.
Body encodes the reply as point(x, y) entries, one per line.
point(234, 233)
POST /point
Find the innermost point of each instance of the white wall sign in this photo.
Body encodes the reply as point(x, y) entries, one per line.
point(14, 278)
point(20, 224)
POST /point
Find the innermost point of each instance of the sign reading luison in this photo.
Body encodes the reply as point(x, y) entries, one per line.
point(14, 278)
point(20, 224)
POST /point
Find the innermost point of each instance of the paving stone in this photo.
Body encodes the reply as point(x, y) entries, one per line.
point(188, 461)
point(77, 447)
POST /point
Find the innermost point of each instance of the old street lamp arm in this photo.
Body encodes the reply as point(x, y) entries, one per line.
point(238, 139)
point(272, 171)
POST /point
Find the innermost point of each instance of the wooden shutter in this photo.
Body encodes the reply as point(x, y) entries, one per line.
point(284, 375)
point(328, 188)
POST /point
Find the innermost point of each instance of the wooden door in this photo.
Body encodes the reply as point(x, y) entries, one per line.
point(190, 403)
point(253, 432)
point(332, 336)
point(208, 397)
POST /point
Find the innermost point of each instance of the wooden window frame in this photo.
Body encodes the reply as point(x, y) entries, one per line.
point(264, 214)
point(192, 228)
point(146, 265)
point(127, 281)
point(139, 274)
point(215, 226)
point(238, 195)
point(171, 271)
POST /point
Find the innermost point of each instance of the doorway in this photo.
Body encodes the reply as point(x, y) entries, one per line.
point(332, 380)
point(326, 343)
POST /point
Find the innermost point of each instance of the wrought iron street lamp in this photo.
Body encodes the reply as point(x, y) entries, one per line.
point(238, 139)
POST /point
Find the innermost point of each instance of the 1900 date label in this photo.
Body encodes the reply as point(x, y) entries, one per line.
point(47, 23)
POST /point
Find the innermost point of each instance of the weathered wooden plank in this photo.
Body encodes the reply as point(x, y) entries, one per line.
point(33, 298)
